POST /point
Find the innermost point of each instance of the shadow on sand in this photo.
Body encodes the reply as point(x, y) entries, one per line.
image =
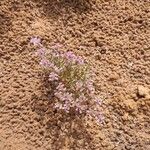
point(56, 8)
point(62, 128)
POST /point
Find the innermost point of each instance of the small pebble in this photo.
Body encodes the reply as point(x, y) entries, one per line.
point(143, 92)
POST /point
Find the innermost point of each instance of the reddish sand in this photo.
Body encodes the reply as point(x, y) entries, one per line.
point(113, 35)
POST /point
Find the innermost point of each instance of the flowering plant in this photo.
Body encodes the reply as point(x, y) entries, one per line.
point(70, 80)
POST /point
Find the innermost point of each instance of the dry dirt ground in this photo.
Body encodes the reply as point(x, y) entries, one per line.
point(114, 37)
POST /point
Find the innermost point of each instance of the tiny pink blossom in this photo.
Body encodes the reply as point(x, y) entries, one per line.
point(35, 41)
point(70, 56)
point(41, 52)
point(78, 109)
point(82, 98)
point(61, 87)
point(99, 118)
point(80, 60)
point(68, 96)
point(44, 62)
point(98, 101)
point(53, 76)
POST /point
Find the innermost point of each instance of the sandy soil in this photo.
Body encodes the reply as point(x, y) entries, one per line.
point(113, 36)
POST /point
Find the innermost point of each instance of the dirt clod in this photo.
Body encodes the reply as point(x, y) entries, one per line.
point(143, 92)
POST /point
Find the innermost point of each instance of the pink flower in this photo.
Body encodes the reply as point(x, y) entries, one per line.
point(99, 117)
point(96, 115)
point(70, 56)
point(35, 41)
point(44, 62)
point(98, 101)
point(61, 87)
point(41, 52)
point(80, 60)
point(53, 76)
point(79, 108)
point(68, 96)
point(82, 98)
point(66, 107)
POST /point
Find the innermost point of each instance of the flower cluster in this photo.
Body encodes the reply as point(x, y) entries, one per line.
point(74, 89)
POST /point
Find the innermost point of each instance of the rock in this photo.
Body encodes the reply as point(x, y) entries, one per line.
point(131, 105)
point(113, 77)
point(143, 92)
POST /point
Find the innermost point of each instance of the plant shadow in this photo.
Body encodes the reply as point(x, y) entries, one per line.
point(64, 129)
point(56, 8)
